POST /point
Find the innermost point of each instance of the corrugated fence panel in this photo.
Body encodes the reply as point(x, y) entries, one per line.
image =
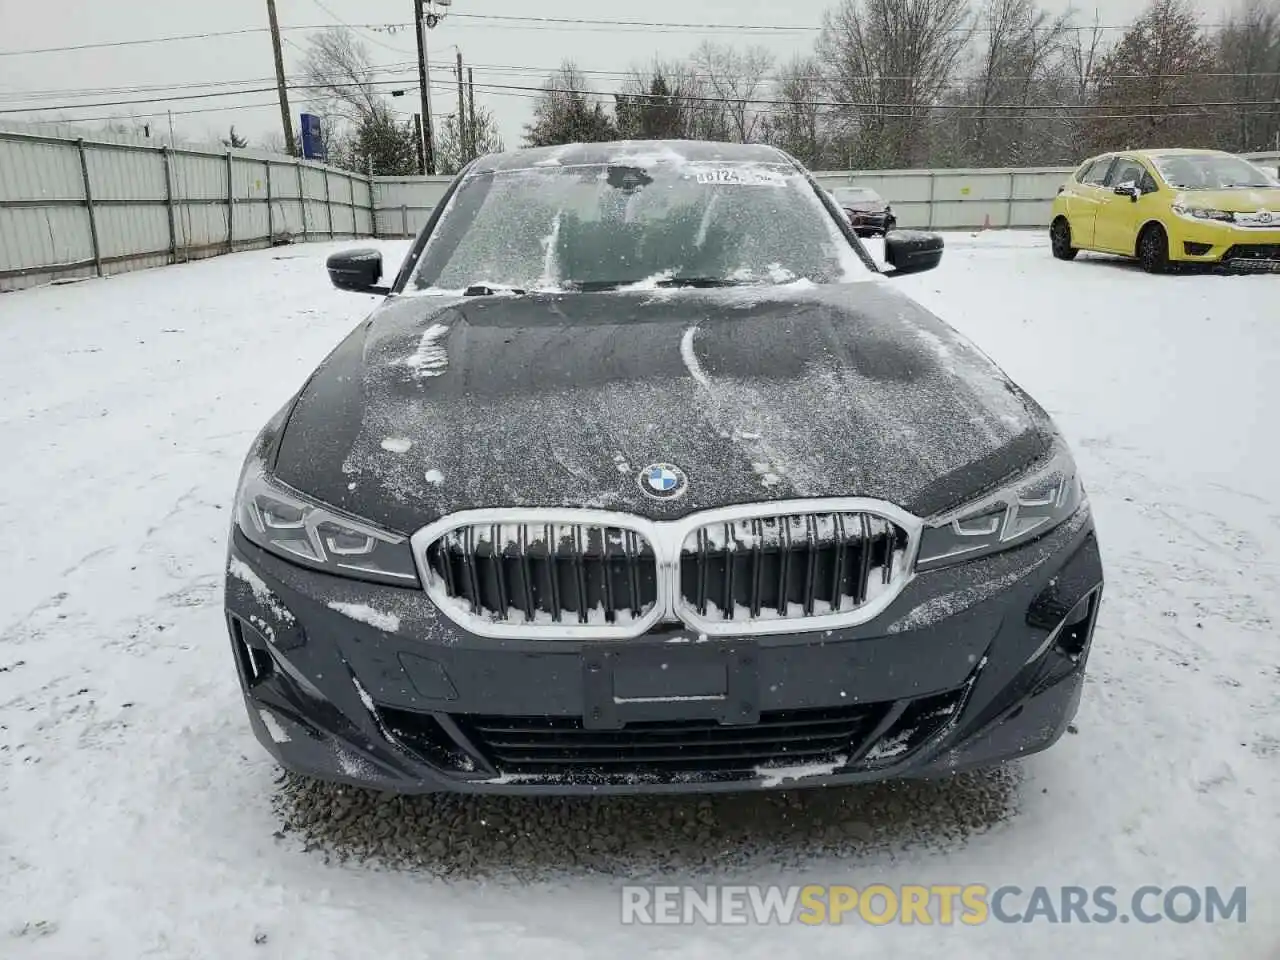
point(34, 171)
point(42, 237)
point(315, 210)
point(128, 192)
point(249, 190)
point(200, 204)
point(404, 204)
point(151, 206)
point(43, 221)
point(286, 209)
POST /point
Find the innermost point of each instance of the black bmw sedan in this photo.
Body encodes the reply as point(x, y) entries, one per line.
point(644, 477)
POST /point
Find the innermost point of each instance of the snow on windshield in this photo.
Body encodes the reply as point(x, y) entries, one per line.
point(640, 216)
point(1211, 172)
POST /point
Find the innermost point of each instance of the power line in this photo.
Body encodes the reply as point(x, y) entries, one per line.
point(142, 41)
point(365, 33)
point(615, 75)
point(440, 85)
point(524, 23)
point(744, 27)
point(689, 98)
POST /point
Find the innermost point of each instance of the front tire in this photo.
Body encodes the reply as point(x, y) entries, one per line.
point(1060, 239)
point(1153, 249)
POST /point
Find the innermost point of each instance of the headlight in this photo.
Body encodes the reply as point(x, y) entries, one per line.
point(1201, 213)
point(288, 524)
point(1020, 512)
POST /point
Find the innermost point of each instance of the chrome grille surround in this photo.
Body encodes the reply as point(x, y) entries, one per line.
point(665, 542)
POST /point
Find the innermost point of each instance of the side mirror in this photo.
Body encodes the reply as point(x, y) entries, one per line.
point(357, 270)
point(912, 251)
point(1128, 189)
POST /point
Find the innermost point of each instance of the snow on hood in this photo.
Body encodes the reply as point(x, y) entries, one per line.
point(756, 393)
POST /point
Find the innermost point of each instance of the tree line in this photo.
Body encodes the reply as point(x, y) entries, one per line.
point(915, 83)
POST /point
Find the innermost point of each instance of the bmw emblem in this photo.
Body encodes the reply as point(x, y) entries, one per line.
point(662, 481)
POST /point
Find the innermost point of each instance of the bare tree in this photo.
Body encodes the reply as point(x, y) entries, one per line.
point(453, 150)
point(1149, 84)
point(1248, 60)
point(567, 111)
point(796, 123)
point(658, 102)
point(1018, 70)
point(1084, 52)
point(340, 72)
point(735, 79)
point(888, 63)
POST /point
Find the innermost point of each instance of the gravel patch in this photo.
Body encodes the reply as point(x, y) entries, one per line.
point(537, 838)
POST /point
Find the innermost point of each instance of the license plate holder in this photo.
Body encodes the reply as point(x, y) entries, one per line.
point(665, 681)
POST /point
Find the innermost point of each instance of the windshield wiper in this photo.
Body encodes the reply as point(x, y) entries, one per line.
point(699, 282)
point(491, 290)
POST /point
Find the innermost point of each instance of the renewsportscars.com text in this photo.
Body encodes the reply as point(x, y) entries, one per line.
point(941, 904)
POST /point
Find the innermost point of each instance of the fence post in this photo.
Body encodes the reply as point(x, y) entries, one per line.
point(404, 217)
point(351, 195)
point(302, 198)
point(328, 202)
point(168, 202)
point(933, 183)
point(231, 208)
point(271, 221)
point(1008, 220)
point(88, 202)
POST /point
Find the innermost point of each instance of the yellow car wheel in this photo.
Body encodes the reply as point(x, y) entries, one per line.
point(1060, 239)
point(1153, 249)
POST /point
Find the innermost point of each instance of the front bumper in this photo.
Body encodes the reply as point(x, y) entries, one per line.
point(1222, 244)
point(369, 685)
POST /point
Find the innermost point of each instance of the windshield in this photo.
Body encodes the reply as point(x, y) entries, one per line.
point(1211, 172)
point(645, 221)
point(856, 195)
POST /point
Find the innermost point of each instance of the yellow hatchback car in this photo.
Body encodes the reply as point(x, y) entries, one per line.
point(1171, 206)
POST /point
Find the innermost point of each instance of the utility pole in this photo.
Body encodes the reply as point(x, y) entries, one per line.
point(285, 116)
point(463, 152)
point(471, 98)
point(417, 129)
point(420, 27)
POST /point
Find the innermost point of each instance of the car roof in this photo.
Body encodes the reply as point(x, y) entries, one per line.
point(629, 152)
point(1148, 153)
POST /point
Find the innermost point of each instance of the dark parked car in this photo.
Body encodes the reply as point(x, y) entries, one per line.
point(643, 476)
point(869, 212)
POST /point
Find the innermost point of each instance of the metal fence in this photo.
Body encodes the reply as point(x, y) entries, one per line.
point(80, 207)
point(76, 208)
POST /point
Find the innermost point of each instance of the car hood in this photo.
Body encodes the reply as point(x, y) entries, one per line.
point(867, 206)
point(1239, 200)
point(437, 405)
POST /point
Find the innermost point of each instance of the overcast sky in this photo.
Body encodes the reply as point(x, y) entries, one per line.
point(508, 53)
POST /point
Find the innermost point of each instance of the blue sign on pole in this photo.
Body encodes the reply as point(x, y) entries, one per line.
point(312, 141)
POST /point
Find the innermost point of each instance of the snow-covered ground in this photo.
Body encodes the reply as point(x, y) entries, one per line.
point(138, 817)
